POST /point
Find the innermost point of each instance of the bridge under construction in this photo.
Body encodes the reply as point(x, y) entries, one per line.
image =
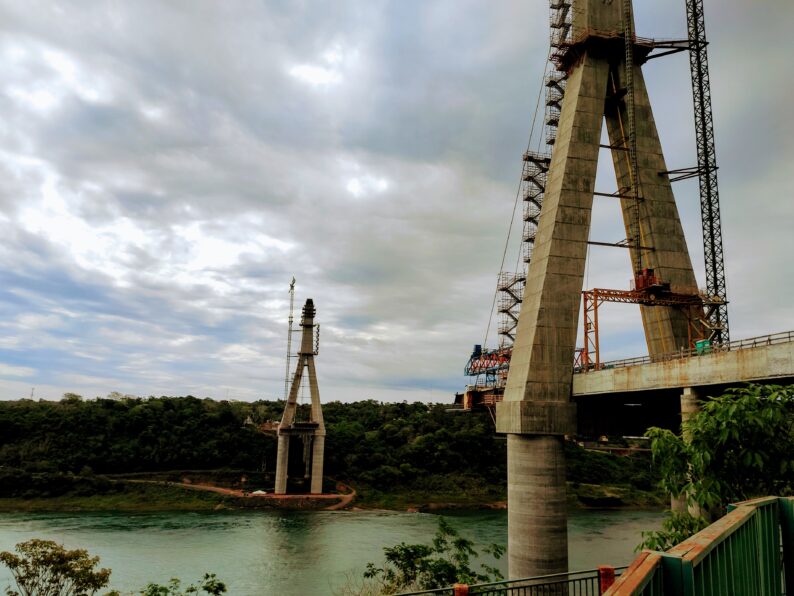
point(595, 78)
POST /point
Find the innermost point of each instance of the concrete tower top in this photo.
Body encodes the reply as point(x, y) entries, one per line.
point(308, 312)
point(597, 15)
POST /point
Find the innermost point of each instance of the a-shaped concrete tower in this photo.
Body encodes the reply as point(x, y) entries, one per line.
point(311, 431)
point(537, 412)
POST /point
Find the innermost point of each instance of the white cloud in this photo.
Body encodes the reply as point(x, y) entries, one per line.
point(316, 75)
point(366, 185)
point(7, 370)
point(42, 77)
point(334, 64)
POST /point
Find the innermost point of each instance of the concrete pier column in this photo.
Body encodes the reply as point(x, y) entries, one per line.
point(689, 407)
point(318, 451)
point(282, 458)
point(536, 412)
point(537, 505)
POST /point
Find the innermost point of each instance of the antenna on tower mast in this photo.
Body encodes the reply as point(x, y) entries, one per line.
point(289, 335)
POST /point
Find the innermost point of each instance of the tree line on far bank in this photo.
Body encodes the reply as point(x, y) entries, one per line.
point(49, 448)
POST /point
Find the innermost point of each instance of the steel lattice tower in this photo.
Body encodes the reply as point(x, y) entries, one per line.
point(707, 170)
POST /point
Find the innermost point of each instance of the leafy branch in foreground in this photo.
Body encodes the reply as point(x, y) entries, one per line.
point(208, 585)
point(45, 568)
point(738, 446)
point(447, 560)
point(676, 528)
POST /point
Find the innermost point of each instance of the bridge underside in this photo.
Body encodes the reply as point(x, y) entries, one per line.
point(627, 400)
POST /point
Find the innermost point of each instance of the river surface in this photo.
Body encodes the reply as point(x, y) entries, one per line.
point(291, 553)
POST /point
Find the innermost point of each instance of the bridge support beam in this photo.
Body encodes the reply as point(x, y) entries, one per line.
point(536, 411)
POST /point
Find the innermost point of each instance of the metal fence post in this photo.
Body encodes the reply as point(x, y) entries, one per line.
point(606, 577)
point(678, 575)
point(786, 510)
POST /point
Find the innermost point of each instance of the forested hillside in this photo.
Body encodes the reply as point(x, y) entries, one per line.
point(47, 447)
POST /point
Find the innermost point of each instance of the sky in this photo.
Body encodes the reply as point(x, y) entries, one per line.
point(169, 166)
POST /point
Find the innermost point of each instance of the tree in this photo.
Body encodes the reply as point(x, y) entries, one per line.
point(44, 568)
point(208, 585)
point(447, 560)
point(738, 446)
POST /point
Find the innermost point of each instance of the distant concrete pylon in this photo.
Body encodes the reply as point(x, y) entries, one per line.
point(537, 412)
point(311, 431)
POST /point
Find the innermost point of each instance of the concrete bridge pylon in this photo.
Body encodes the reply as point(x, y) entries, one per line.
point(604, 84)
point(310, 431)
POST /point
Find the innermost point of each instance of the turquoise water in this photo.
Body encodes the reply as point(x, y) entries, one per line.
point(291, 553)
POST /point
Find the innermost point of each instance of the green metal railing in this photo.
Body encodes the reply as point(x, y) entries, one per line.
point(739, 554)
point(573, 583)
point(748, 552)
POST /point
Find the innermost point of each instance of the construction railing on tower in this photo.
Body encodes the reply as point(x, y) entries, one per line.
point(561, 21)
point(511, 292)
point(533, 177)
point(535, 172)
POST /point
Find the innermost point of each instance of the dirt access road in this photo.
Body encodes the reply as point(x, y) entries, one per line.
point(343, 500)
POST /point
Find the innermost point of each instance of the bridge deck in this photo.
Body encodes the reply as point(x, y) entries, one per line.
point(759, 359)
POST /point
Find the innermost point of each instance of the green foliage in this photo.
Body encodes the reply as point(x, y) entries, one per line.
point(676, 528)
point(44, 568)
point(122, 435)
point(405, 444)
point(588, 466)
point(208, 585)
point(447, 560)
point(738, 446)
point(45, 445)
point(415, 452)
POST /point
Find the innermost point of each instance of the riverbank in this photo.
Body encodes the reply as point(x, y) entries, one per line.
point(580, 496)
point(128, 498)
point(168, 496)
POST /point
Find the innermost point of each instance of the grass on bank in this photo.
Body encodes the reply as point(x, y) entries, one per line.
point(130, 497)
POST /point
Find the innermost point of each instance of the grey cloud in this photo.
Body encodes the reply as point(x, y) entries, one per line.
point(203, 142)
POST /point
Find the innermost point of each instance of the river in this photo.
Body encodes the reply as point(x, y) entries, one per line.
point(291, 553)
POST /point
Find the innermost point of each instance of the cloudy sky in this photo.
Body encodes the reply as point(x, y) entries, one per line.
point(168, 166)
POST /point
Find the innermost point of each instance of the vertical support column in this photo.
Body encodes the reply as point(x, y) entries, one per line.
point(318, 445)
point(666, 327)
point(318, 453)
point(536, 412)
point(282, 461)
point(282, 454)
point(537, 506)
point(690, 406)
